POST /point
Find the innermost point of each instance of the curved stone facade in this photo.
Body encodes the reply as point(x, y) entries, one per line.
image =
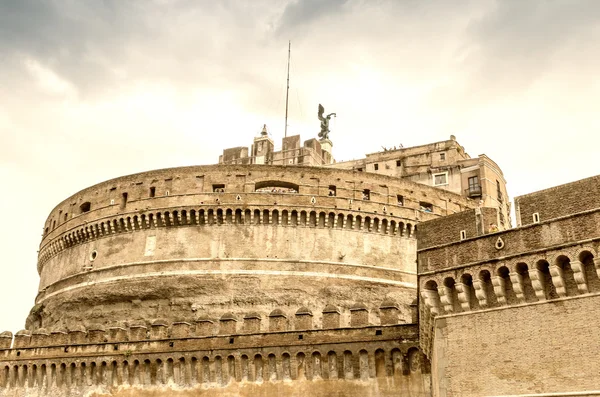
point(199, 242)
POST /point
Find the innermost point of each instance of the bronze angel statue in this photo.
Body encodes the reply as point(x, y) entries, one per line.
point(324, 134)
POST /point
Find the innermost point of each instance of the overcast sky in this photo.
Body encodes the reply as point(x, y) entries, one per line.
point(91, 90)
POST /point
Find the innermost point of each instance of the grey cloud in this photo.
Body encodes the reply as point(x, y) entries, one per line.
point(303, 12)
point(517, 42)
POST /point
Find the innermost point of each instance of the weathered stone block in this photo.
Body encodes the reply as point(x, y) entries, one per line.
point(117, 334)
point(252, 323)
point(138, 332)
point(331, 317)
point(227, 324)
point(359, 315)
point(60, 337)
point(303, 319)
point(22, 338)
point(40, 337)
point(389, 313)
point(278, 321)
point(6, 340)
point(204, 327)
point(159, 329)
point(181, 329)
point(96, 334)
point(77, 335)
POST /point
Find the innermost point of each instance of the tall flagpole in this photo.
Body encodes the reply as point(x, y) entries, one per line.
point(287, 93)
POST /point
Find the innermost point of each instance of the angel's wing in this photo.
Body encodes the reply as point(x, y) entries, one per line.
point(321, 111)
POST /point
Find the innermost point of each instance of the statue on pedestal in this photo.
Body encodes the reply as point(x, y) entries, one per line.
point(324, 134)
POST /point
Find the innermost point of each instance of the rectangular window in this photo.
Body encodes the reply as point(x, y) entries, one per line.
point(440, 179)
point(332, 191)
point(499, 191)
point(398, 163)
point(359, 169)
point(536, 217)
point(366, 194)
point(442, 156)
point(474, 189)
point(219, 188)
point(152, 192)
point(400, 200)
point(463, 234)
point(124, 201)
point(425, 207)
point(473, 182)
point(376, 167)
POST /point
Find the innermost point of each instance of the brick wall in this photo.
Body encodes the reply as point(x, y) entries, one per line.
point(552, 347)
point(559, 201)
point(447, 229)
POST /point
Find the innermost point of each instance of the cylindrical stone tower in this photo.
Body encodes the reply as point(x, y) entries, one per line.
point(186, 243)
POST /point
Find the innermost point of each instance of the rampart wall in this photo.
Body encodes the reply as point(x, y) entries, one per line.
point(181, 359)
point(513, 312)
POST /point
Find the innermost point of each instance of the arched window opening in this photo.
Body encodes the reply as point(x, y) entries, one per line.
point(546, 279)
point(303, 218)
point(321, 219)
point(340, 221)
point(471, 299)
point(363, 364)
point(332, 365)
point(285, 218)
point(452, 304)
point(258, 368)
point(286, 367)
point(368, 224)
point(275, 217)
point(313, 219)
point(591, 275)
point(229, 216)
point(509, 292)
point(486, 284)
point(301, 362)
point(380, 363)
point(239, 219)
point(564, 263)
point(523, 270)
point(275, 187)
point(256, 217)
point(294, 219)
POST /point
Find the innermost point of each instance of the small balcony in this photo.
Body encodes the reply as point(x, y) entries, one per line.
point(473, 191)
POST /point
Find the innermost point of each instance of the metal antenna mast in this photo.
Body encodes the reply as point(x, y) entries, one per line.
point(287, 93)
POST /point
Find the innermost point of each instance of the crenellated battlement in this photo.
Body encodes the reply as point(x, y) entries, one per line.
point(148, 357)
point(276, 321)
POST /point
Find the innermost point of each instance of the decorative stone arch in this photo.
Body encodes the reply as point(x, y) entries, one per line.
point(541, 279)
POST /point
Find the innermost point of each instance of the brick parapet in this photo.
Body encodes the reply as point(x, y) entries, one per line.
point(568, 231)
point(559, 201)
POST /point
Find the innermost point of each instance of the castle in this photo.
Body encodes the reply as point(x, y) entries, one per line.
point(285, 273)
